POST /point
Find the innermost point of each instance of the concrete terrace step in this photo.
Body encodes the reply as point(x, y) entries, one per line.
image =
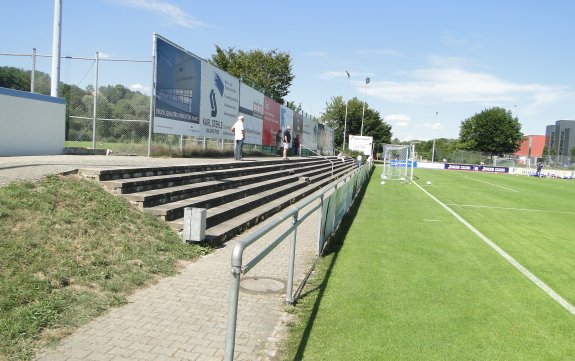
point(160, 196)
point(150, 182)
point(174, 210)
point(138, 172)
point(240, 222)
point(236, 195)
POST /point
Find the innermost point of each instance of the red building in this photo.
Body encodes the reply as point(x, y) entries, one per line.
point(532, 146)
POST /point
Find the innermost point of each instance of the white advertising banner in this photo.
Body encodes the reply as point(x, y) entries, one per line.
point(219, 105)
point(361, 143)
point(252, 108)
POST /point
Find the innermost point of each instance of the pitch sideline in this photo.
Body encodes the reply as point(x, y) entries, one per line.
point(554, 295)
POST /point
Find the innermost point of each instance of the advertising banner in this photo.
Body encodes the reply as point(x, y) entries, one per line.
point(194, 98)
point(178, 90)
point(361, 143)
point(310, 133)
point(286, 118)
point(220, 103)
point(298, 126)
point(271, 135)
point(478, 168)
point(252, 108)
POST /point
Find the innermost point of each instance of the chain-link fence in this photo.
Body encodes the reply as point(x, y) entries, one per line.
point(117, 116)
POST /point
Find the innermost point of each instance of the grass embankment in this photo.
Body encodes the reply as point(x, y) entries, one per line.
point(404, 280)
point(68, 252)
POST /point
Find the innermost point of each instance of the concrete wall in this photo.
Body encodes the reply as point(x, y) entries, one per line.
point(31, 124)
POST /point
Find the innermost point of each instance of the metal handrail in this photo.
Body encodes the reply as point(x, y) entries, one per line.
point(238, 268)
point(319, 155)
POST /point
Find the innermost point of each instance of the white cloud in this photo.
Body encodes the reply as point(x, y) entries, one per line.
point(331, 74)
point(174, 14)
point(140, 88)
point(456, 85)
point(398, 120)
point(390, 52)
point(317, 54)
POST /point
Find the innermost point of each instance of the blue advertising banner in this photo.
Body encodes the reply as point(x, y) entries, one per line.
point(178, 90)
point(478, 168)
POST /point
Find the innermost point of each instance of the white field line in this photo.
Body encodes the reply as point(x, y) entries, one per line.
point(509, 209)
point(554, 295)
point(491, 184)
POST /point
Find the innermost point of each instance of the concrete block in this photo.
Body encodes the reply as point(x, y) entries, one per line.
point(194, 224)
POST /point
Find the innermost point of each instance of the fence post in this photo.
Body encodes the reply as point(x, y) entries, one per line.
point(95, 102)
point(320, 228)
point(291, 264)
point(33, 80)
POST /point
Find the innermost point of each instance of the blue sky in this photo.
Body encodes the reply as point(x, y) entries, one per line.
point(453, 58)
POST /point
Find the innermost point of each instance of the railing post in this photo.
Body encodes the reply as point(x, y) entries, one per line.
point(291, 264)
point(319, 228)
point(232, 313)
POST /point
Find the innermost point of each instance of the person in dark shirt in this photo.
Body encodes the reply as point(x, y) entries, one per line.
point(295, 145)
point(539, 167)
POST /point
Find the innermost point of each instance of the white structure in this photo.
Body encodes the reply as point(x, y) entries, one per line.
point(397, 162)
point(31, 124)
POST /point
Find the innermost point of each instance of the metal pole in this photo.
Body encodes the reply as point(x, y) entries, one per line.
point(95, 110)
point(33, 79)
point(412, 160)
point(320, 228)
point(153, 95)
point(345, 121)
point(363, 111)
point(232, 313)
point(291, 265)
point(56, 38)
point(433, 148)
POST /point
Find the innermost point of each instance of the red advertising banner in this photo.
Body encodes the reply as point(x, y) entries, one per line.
point(271, 129)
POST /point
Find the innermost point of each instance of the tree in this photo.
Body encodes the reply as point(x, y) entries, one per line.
point(443, 148)
point(14, 78)
point(492, 131)
point(269, 72)
point(373, 124)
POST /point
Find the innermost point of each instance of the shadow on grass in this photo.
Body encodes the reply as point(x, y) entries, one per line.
point(333, 246)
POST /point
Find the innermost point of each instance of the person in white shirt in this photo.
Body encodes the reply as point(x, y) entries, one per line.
point(286, 142)
point(240, 134)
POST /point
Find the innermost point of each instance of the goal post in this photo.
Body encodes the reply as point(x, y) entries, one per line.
point(397, 162)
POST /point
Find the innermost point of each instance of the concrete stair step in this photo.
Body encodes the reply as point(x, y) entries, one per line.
point(174, 210)
point(146, 183)
point(237, 222)
point(160, 196)
point(102, 175)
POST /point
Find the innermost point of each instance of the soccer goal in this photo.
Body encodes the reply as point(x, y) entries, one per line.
point(397, 164)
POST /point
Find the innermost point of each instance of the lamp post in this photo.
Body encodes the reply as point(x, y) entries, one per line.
point(433, 148)
point(363, 111)
point(345, 121)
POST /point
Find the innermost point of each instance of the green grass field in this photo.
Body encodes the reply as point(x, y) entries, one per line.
point(406, 280)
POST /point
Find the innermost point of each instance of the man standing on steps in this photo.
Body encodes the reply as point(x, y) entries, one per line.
point(240, 134)
point(287, 141)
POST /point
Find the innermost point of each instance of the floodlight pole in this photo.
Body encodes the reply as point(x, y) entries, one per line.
point(433, 148)
point(56, 48)
point(363, 111)
point(345, 120)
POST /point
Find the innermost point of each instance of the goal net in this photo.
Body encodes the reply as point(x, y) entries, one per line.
point(396, 162)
